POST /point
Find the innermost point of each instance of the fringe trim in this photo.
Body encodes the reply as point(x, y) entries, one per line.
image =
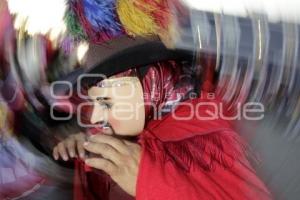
point(202, 151)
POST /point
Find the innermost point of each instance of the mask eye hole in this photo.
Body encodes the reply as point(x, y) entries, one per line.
point(106, 105)
point(102, 98)
point(101, 101)
point(103, 123)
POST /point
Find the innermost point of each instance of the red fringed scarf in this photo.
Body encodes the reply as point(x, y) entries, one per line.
point(195, 159)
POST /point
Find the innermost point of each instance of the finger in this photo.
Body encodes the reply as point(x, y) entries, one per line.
point(105, 150)
point(80, 149)
point(55, 153)
point(118, 144)
point(102, 164)
point(62, 151)
point(80, 137)
point(128, 143)
point(135, 148)
point(71, 147)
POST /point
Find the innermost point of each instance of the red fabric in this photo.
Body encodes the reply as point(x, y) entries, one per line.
point(209, 71)
point(165, 84)
point(195, 160)
point(89, 185)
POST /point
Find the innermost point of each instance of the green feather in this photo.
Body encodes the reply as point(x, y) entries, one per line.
point(73, 26)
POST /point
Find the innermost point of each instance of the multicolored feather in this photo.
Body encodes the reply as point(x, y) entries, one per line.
point(161, 13)
point(136, 22)
point(158, 9)
point(73, 25)
point(98, 18)
point(103, 20)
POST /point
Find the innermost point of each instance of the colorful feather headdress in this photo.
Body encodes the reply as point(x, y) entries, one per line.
point(102, 20)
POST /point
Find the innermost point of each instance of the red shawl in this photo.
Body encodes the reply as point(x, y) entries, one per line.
point(195, 160)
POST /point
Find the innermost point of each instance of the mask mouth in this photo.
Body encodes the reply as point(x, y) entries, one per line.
point(99, 127)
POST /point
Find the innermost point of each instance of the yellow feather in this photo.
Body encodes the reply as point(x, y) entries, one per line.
point(135, 21)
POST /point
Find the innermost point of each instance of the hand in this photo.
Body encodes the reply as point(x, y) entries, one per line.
point(118, 158)
point(70, 147)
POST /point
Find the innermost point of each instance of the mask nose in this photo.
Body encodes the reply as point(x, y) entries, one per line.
point(99, 115)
